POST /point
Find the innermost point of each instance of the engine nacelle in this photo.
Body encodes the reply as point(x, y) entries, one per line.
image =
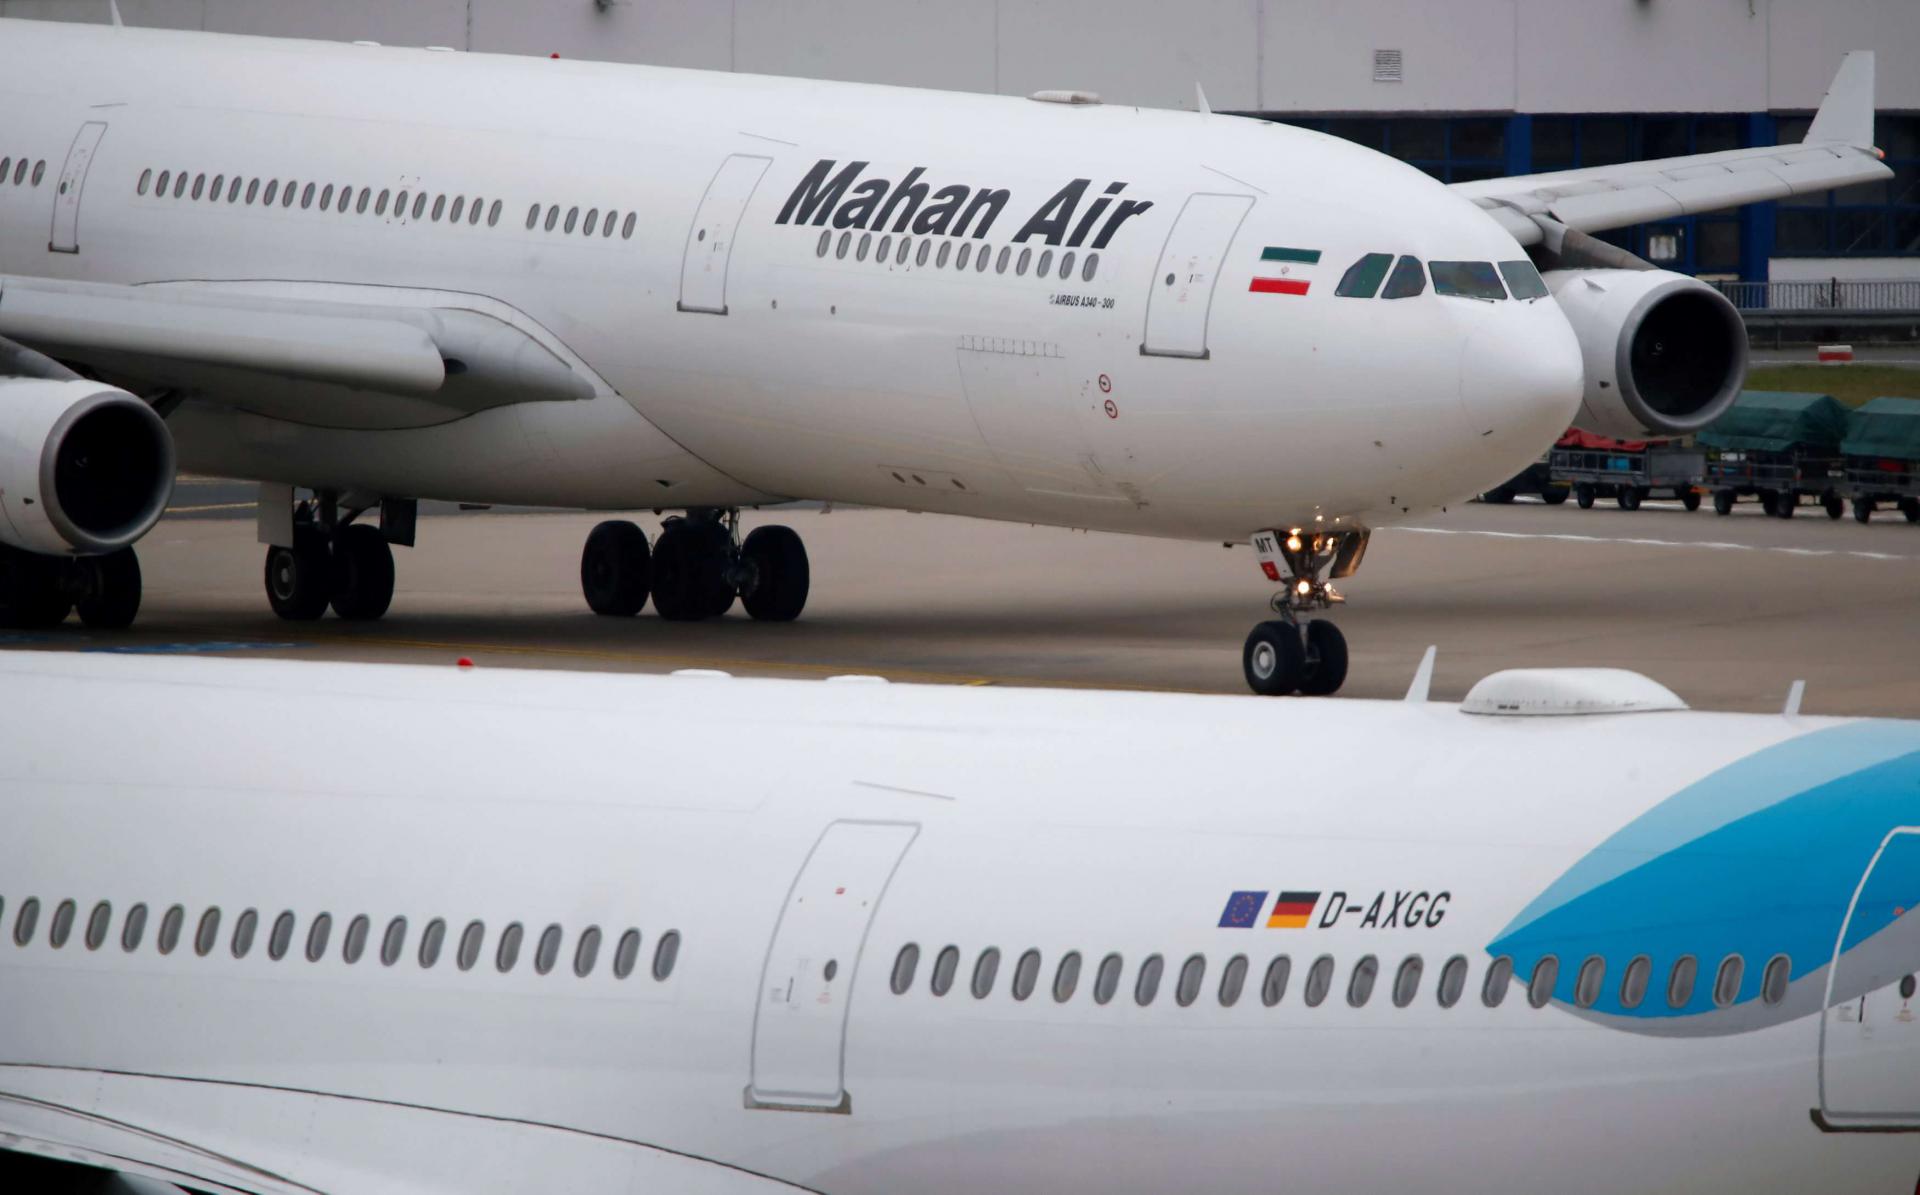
point(84, 468)
point(1665, 354)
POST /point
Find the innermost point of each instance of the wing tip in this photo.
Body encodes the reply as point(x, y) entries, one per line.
point(1846, 112)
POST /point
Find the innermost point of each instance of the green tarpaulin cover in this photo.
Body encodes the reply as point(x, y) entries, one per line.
point(1778, 421)
point(1885, 427)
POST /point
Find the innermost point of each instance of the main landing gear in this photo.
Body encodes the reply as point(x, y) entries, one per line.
point(696, 569)
point(1289, 654)
point(334, 561)
point(37, 592)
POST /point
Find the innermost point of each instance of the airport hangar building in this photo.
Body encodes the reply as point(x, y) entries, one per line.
point(1464, 89)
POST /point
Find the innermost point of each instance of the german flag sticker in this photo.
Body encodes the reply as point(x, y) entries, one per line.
point(1277, 264)
point(1292, 910)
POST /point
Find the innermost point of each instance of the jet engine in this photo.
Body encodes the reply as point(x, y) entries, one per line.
point(1665, 354)
point(84, 468)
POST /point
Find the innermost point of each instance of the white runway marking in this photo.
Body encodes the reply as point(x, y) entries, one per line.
point(1713, 545)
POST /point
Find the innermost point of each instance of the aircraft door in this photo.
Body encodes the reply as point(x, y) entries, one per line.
point(703, 270)
point(1870, 1030)
point(1182, 290)
point(800, 1023)
point(66, 196)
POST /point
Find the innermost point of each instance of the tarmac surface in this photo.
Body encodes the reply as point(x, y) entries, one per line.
point(1725, 611)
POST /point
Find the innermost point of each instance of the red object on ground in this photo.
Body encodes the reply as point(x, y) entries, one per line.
point(1834, 354)
point(463, 662)
point(1573, 437)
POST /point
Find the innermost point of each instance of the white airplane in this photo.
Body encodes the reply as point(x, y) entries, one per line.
point(381, 275)
point(946, 939)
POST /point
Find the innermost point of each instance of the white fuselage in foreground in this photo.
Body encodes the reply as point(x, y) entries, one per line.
point(793, 841)
point(739, 357)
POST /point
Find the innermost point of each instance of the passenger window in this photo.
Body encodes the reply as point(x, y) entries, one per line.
point(281, 939)
point(1360, 983)
point(1273, 988)
point(420, 204)
point(1319, 981)
point(459, 209)
point(473, 213)
point(1087, 271)
point(840, 249)
point(587, 228)
point(208, 935)
point(1066, 265)
point(62, 926)
point(159, 192)
point(219, 185)
point(471, 939)
point(317, 935)
point(1066, 977)
point(1193, 973)
point(180, 184)
point(273, 190)
point(134, 929)
point(1726, 984)
point(1362, 279)
point(20, 172)
point(886, 250)
point(1406, 981)
point(920, 258)
point(493, 215)
point(866, 242)
point(900, 254)
point(626, 230)
point(553, 217)
point(573, 218)
point(25, 920)
point(1233, 980)
point(1406, 281)
point(393, 943)
point(146, 178)
point(1106, 981)
point(1000, 266)
point(243, 930)
point(1146, 985)
point(1523, 280)
point(1774, 980)
point(533, 213)
point(665, 952)
point(432, 939)
point(6, 168)
point(1493, 989)
point(170, 926)
point(289, 192)
point(946, 965)
point(966, 254)
point(326, 196)
point(1633, 984)
point(825, 243)
point(904, 965)
point(1453, 981)
point(1586, 985)
point(306, 196)
point(626, 954)
point(1680, 982)
point(587, 951)
point(1540, 988)
point(984, 972)
point(548, 952)
point(355, 943)
point(366, 198)
point(1045, 265)
point(984, 258)
point(233, 190)
point(507, 951)
point(253, 191)
point(346, 197)
point(1026, 974)
point(98, 923)
point(39, 171)
point(1026, 255)
point(199, 185)
point(1466, 279)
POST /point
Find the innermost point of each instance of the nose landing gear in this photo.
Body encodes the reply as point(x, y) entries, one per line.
point(1291, 654)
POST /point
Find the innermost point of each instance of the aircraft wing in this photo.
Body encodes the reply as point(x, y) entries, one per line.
point(1838, 152)
point(426, 363)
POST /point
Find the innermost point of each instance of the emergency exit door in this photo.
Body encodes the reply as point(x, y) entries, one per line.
point(66, 195)
point(1181, 295)
point(1870, 1030)
point(800, 1023)
point(703, 270)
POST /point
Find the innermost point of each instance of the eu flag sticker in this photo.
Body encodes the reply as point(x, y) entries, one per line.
point(1243, 910)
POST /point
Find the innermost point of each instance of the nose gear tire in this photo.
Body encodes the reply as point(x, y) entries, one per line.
point(1326, 660)
point(113, 591)
point(1273, 659)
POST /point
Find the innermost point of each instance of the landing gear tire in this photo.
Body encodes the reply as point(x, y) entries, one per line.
point(112, 596)
point(1690, 499)
point(1863, 510)
point(1723, 501)
point(1273, 659)
point(300, 578)
point(690, 570)
point(1553, 495)
point(777, 562)
point(616, 569)
point(31, 596)
point(1583, 494)
point(1628, 498)
point(1326, 660)
point(362, 573)
point(1835, 506)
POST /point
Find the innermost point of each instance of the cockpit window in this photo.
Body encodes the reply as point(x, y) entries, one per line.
point(1363, 277)
point(1407, 280)
point(1467, 279)
point(1523, 280)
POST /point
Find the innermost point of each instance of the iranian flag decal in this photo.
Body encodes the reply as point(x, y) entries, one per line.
point(1277, 269)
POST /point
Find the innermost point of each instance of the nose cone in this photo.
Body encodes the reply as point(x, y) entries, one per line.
point(1520, 380)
